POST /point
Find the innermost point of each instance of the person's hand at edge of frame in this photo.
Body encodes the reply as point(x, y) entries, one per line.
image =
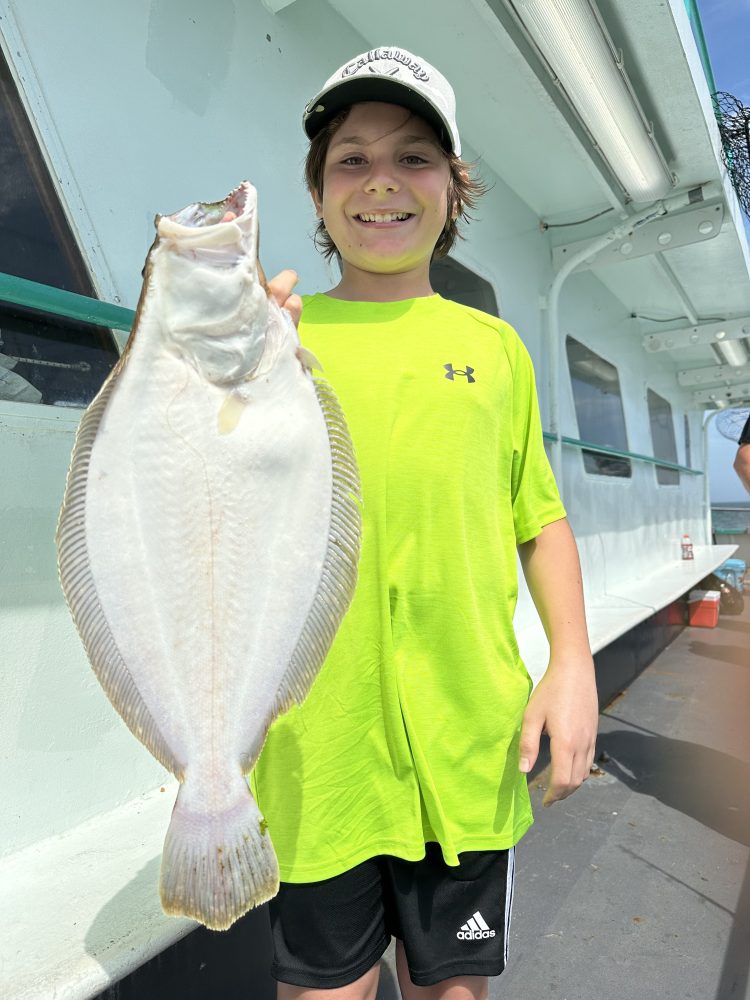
point(564, 705)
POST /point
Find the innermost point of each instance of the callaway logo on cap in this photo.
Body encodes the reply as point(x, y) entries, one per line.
point(394, 76)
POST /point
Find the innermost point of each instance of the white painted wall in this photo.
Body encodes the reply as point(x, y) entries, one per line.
point(179, 100)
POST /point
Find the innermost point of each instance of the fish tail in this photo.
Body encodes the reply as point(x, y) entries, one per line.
point(217, 866)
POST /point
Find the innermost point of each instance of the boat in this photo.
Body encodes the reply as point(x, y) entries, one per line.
point(611, 239)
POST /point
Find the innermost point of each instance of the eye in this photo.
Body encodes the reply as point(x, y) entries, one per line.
point(354, 157)
point(414, 157)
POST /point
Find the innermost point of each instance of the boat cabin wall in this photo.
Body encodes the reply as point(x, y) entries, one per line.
point(176, 102)
point(626, 527)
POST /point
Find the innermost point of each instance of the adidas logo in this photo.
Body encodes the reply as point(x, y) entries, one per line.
point(475, 928)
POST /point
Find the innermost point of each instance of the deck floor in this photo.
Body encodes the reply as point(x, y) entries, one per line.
point(638, 885)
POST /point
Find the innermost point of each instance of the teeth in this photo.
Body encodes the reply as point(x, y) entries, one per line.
point(384, 217)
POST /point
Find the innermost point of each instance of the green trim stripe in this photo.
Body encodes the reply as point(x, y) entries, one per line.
point(57, 302)
point(695, 22)
point(604, 450)
point(70, 305)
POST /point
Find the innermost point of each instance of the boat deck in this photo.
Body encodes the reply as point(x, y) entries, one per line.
point(638, 886)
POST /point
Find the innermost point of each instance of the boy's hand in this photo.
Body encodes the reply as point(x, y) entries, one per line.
point(281, 288)
point(564, 705)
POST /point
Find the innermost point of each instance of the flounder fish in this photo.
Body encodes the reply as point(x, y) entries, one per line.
point(208, 541)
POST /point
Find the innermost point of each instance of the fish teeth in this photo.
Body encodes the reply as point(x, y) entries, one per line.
point(383, 216)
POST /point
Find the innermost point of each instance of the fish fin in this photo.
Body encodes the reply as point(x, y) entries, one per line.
point(338, 575)
point(308, 360)
point(80, 593)
point(230, 412)
point(217, 865)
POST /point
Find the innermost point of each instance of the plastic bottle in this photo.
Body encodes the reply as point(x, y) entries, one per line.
point(687, 547)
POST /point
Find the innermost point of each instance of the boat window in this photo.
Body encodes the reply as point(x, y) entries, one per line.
point(42, 359)
point(598, 403)
point(454, 281)
point(688, 461)
point(662, 437)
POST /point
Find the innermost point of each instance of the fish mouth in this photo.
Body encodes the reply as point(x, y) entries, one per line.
point(219, 234)
point(200, 215)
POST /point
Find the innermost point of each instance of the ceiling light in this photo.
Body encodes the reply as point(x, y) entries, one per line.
point(572, 37)
point(733, 352)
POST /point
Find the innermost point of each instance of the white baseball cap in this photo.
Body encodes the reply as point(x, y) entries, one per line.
point(394, 76)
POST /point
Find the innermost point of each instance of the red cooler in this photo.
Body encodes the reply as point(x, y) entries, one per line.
point(703, 608)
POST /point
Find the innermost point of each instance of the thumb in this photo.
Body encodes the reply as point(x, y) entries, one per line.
point(293, 305)
point(528, 747)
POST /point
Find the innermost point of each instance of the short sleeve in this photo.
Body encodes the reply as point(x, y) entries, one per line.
point(745, 435)
point(535, 497)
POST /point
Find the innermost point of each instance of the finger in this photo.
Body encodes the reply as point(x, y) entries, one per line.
point(565, 782)
point(528, 747)
point(281, 286)
point(229, 216)
point(561, 774)
point(294, 306)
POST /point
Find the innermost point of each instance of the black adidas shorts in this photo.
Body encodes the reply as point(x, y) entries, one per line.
point(453, 921)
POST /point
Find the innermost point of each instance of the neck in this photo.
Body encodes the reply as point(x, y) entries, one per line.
point(368, 286)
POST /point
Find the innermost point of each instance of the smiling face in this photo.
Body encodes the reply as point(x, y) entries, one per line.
point(385, 192)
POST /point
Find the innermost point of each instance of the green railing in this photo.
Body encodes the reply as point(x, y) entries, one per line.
point(695, 22)
point(58, 302)
point(604, 450)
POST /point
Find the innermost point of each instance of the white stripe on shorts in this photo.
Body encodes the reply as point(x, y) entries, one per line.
point(509, 881)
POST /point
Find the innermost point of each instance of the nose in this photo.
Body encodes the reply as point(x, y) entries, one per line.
point(381, 179)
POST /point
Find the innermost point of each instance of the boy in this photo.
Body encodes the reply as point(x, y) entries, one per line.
point(396, 793)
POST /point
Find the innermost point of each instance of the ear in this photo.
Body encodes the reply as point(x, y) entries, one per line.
point(318, 203)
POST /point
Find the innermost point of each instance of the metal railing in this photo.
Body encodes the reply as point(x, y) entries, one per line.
point(695, 22)
point(58, 302)
point(634, 456)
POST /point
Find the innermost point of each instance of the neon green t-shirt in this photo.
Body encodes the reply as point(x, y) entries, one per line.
point(410, 731)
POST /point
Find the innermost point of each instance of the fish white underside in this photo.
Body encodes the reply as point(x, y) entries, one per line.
point(208, 554)
point(206, 548)
point(208, 542)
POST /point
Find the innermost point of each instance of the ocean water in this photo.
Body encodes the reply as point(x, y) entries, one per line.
point(734, 516)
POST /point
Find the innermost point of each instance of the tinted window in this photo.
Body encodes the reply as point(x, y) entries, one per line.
point(598, 403)
point(44, 360)
point(662, 436)
point(454, 281)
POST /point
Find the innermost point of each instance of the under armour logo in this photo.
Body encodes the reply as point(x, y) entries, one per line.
point(451, 371)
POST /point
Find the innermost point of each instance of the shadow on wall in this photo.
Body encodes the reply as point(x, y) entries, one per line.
point(203, 965)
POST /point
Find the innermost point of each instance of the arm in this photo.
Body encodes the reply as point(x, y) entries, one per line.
point(742, 465)
point(564, 703)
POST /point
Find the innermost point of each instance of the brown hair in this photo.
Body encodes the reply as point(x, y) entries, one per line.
point(463, 190)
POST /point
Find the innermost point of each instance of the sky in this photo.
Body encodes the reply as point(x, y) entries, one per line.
point(726, 27)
